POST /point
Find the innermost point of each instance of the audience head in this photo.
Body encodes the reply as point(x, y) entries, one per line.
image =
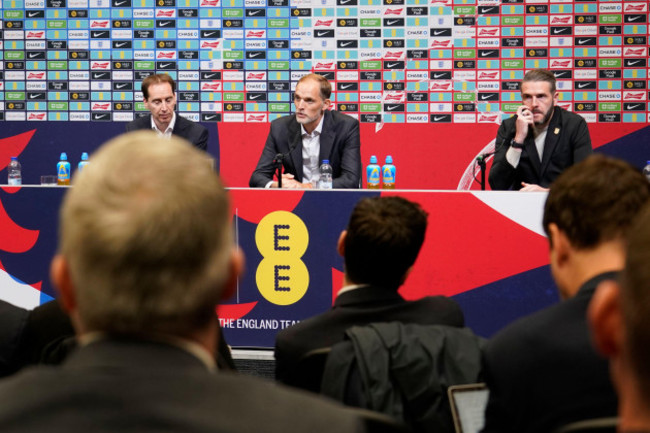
point(382, 240)
point(145, 239)
point(620, 320)
point(595, 201)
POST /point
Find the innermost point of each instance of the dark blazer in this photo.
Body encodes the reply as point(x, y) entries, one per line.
point(567, 142)
point(45, 335)
point(139, 386)
point(339, 143)
point(359, 307)
point(193, 132)
point(543, 371)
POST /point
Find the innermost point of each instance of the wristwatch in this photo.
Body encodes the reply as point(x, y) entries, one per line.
point(516, 145)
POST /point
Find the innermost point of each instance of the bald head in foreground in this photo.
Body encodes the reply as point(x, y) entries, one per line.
point(146, 253)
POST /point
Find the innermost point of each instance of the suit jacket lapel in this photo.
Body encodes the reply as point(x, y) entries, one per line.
point(326, 137)
point(552, 137)
point(178, 126)
point(295, 143)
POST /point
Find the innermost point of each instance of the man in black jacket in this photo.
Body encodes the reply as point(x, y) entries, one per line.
point(540, 141)
point(379, 247)
point(542, 370)
point(308, 137)
point(159, 96)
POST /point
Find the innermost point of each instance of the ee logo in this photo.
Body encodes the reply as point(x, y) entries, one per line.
point(282, 239)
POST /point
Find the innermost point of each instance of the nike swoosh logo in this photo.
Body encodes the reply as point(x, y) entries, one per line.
point(436, 118)
point(632, 19)
point(391, 65)
point(119, 3)
point(207, 35)
point(343, 2)
point(321, 33)
point(345, 44)
point(253, 13)
point(253, 97)
point(488, 10)
point(209, 77)
point(210, 117)
point(32, 14)
point(483, 54)
point(438, 32)
point(164, 65)
point(560, 74)
point(98, 34)
point(633, 62)
point(438, 75)
point(484, 97)
point(346, 86)
point(391, 22)
point(120, 44)
point(164, 24)
point(582, 41)
point(120, 86)
point(253, 55)
point(391, 108)
point(100, 116)
point(582, 85)
point(35, 96)
point(632, 107)
point(558, 31)
point(32, 55)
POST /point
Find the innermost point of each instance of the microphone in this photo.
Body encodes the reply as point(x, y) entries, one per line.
point(277, 161)
point(484, 156)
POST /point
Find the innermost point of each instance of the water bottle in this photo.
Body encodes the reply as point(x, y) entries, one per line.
point(326, 172)
point(646, 171)
point(63, 170)
point(83, 162)
point(373, 174)
point(15, 176)
point(388, 173)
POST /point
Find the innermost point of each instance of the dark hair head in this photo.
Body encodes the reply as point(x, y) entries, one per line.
point(540, 75)
point(596, 200)
point(156, 79)
point(636, 301)
point(325, 86)
point(384, 237)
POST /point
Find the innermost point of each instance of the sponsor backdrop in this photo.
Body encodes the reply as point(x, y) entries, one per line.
point(448, 69)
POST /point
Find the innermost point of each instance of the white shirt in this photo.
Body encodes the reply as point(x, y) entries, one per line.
point(310, 153)
point(167, 133)
point(513, 155)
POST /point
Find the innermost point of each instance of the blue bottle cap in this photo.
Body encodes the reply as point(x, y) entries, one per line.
point(373, 159)
point(389, 159)
point(326, 161)
point(15, 158)
point(64, 156)
point(84, 156)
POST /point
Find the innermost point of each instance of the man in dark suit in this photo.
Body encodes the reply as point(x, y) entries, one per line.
point(146, 253)
point(619, 315)
point(540, 141)
point(382, 241)
point(159, 96)
point(306, 138)
point(542, 370)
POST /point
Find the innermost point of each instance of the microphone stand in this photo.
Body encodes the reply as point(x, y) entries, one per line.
point(278, 165)
point(481, 164)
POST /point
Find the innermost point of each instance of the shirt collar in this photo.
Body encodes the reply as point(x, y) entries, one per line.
point(316, 131)
point(170, 127)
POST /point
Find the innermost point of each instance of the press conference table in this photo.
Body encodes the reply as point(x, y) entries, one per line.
point(486, 249)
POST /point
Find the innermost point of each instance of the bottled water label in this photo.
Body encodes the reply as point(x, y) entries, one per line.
point(14, 182)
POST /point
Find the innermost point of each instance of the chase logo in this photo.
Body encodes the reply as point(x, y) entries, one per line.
point(282, 239)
